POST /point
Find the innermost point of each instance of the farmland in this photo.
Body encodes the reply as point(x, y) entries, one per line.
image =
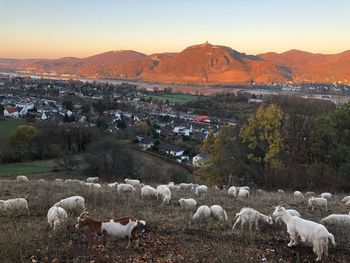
point(169, 236)
point(26, 168)
point(175, 98)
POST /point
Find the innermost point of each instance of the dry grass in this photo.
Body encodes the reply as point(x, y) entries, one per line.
point(169, 235)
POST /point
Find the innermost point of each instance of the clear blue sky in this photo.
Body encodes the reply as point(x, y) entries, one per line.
point(56, 28)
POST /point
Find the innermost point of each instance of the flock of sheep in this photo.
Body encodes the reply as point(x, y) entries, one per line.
point(308, 231)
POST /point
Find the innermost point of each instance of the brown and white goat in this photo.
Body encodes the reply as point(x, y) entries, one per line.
point(122, 227)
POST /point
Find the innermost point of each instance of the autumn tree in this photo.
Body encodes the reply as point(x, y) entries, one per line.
point(263, 136)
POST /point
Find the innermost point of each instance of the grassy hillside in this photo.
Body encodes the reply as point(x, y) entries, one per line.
point(175, 98)
point(7, 126)
point(26, 168)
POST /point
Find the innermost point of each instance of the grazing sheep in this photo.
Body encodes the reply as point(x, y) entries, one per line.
point(250, 215)
point(310, 194)
point(125, 188)
point(280, 192)
point(309, 231)
point(185, 186)
point(113, 185)
point(16, 206)
point(133, 182)
point(232, 191)
point(317, 202)
point(298, 194)
point(201, 190)
point(73, 203)
point(165, 193)
point(243, 193)
point(22, 178)
point(260, 192)
point(326, 195)
point(122, 227)
point(202, 214)
point(43, 182)
point(73, 182)
point(347, 203)
point(338, 220)
point(149, 191)
point(56, 216)
point(245, 188)
point(346, 199)
point(188, 203)
point(174, 187)
point(218, 213)
point(59, 181)
point(291, 212)
point(94, 186)
point(92, 179)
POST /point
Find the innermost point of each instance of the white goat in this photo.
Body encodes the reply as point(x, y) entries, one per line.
point(14, 206)
point(22, 178)
point(308, 231)
point(250, 215)
point(73, 203)
point(125, 188)
point(291, 212)
point(188, 203)
point(201, 190)
point(149, 191)
point(56, 216)
point(202, 214)
point(165, 193)
point(218, 213)
point(317, 202)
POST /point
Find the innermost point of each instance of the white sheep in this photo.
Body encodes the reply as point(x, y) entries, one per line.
point(337, 220)
point(43, 182)
point(73, 203)
point(232, 191)
point(243, 193)
point(125, 188)
point(250, 215)
point(94, 186)
point(22, 178)
point(149, 191)
point(245, 188)
point(59, 181)
point(133, 182)
point(92, 179)
point(188, 203)
point(280, 193)
point(318, 202)
point(298, 194)
point(202, 214)
point(16, 206)
point(185, 186)
point(346, 199)
point(291, 212)
point(218, 213)
point(308, 231)
point(56, 216)
point(310, 194)
point(165, 193)
point(173, 186)
point(326, 195)
point(347, 203)
point(201, 190)
point(113, 185)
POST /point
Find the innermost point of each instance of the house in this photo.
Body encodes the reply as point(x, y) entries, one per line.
point(170, 149)
point(11, 112)
point(197, 160)
point(146, 143)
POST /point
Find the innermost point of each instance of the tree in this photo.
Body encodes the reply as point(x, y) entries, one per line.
point(263, 136)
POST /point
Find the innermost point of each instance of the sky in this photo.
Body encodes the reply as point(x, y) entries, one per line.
point(80, 28)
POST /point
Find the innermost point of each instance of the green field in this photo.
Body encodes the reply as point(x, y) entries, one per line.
point(175, 98)
point(7, 126)
point(26, 168)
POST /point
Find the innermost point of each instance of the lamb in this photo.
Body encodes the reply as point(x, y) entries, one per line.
point(22, 178)
point(185, 186)
point(15, 206)
point(125, 188)
point(346, 199)
point(127, 226)
point(92, 179)
point(326, 195)
point(298, 194)
point(56, 216)
point(218, 213)
point(133, 182)
point(250, 215)
point(308, 231)
point(291, 212)
point(165, 193)
point(73, 203)
point(149, 191)
point(188, 203)
point(202, 214)
point(201, 190)
point(113, 185)
point(337, 220)
point(318, 201)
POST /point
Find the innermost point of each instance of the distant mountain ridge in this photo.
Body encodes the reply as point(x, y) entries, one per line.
point(203, 64)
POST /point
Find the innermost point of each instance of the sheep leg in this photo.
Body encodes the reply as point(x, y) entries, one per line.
point(257, 225)
point(293, 236)
point(137, 243)
point(318, 249)
point(250, 225)
point(129, 243)
point(236, 223)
